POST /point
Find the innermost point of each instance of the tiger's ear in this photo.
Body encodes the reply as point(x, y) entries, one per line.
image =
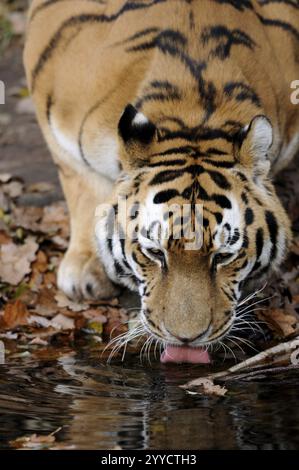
point(137, 133)
point(256, 141)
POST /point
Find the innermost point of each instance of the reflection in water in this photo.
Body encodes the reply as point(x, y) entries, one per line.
point(136, 407)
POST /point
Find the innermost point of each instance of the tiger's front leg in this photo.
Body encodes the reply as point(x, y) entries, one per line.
point(81, 274)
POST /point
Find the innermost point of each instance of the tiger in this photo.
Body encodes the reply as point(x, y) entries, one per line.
point(161, 103)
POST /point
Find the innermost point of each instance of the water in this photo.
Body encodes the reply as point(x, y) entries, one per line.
point(134, 406)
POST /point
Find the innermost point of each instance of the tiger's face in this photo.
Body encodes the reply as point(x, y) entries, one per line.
point(201, 223)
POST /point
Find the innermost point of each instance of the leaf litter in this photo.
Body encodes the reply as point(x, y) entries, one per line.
point(34, 315)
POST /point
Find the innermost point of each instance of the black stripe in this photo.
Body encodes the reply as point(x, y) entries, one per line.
point(166, 176)
point(214, 151)
point(139, 34)
point(273, 232)
point(156, 97)
point(240, 5)
point(249, 216)
point(229, 296)
point(118, 268)
point(279, 24)
point(218, 163)
point(165, 196)
point(242, 92)
point(49, 3)
point(221, 201)
point(244, 265)
point(244, 198)
point(290, 3)
point(49, 106)
point(179, 150)
point(219, 179)
point(165, 85)
point(259, 243)
point(168, 163)
point(225, 39)
point(173, 43)
point(241, 176)
point(197, 134)
point(236, 237)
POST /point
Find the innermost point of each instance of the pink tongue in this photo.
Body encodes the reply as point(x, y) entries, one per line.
point(185, 354)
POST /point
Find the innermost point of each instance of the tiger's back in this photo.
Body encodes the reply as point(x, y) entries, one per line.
point(86, 60)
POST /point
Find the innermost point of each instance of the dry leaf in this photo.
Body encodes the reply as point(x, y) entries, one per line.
point(5, 177)
point(206, 386)
point(45, 304)
point(61, 322)
point(15, 314)
point(39, 341)
point(15, 261)
point(28, 218)
point(40, 321)
point(13, 189)
point(41, 262)
point(95, 315)
point(35, 441)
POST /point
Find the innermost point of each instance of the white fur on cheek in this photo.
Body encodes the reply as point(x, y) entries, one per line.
point(151, 214)
point(233, 218)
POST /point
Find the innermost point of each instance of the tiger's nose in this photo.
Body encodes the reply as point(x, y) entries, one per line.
point(184, 340)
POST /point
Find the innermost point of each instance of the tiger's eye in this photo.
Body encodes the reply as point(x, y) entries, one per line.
point(159, 255)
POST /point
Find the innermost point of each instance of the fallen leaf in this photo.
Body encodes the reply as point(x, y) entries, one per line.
point(45, 304)
point(95, 315)
point(61, 322)
point(38, 320)
point(15, 261)
point(38, 341)
point(28, 218)
point(5, 177)
point(13, 189)
point(34, 441)
point(15, 314)
point(206, 386)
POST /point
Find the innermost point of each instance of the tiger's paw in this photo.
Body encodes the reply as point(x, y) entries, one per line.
point(83, 277)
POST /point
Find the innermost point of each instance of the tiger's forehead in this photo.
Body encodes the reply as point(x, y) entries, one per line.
point(190, 225)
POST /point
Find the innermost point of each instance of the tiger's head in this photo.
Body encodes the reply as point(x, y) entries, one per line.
point(197, 220)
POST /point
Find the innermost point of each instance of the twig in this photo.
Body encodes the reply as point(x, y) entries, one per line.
point(271, 355)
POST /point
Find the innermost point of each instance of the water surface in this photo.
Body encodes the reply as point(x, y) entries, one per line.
point(138, 406)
